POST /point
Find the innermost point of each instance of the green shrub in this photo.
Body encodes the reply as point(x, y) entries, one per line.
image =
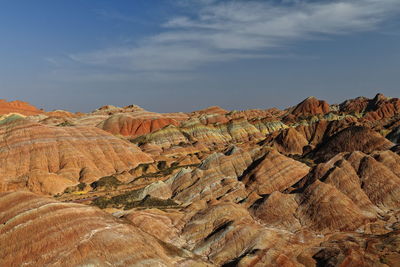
point(108, 182)
point(130, 200)
point(101, 202)
point(81, 186)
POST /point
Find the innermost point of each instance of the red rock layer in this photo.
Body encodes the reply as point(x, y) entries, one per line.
point(311, 106)
point(380, 107)
point(20, 107)
point(289, 141)
point(37, 231)
point(353, 138)
point(275, 172)
point(61, 114)
point(126, 125)
point(323, 206)
point(356, 105)
point(29, 152)
point(383, 107)
point(211, 110)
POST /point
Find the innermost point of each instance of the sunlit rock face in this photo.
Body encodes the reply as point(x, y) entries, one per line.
point(130, 126)
point(311, 106)
point(377, 108)
point(311, 185)
point(275, 172)
point(289, 141)
point(47, 159)
point(37, 231)
point(19, 107)
point(355, 138)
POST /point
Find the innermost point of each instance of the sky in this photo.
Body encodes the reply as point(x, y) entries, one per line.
point(183, 55)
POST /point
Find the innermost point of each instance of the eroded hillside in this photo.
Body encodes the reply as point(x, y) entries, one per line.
point(312, 185)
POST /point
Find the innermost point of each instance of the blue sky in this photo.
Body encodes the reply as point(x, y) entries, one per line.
point(182, 55)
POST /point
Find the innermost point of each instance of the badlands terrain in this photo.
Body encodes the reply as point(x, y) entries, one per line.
point(312, 185)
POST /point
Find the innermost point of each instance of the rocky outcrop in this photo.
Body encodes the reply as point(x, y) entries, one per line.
point(250, 114)
point(164, 225)
point(380, 107)
point(311, 106)
point(126, 125)
point(393, 136)
point(37, 231)
point(290, 142)
point(193, 131)
point(353, 138)
point(47, 159)
point(268, 126)
point(380, 184)
point(275, 172)
point(9, 118)
point(279, 211)
point(313, 185)
point(216, 178)
point(211, 110)
point(19, 107)
point(164, 138)
point(61, 114)
point(356, 105)
point(323, 207)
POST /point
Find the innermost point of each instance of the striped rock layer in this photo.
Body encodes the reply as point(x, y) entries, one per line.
point(19, 107)
point(47, 159)
point(36, 231)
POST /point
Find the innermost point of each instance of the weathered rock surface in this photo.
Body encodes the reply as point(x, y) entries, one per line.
point(19, 107)
point(394, 135)
point(47, 159)
point(129, 126)
point(275, 172)
point(354, 138)
point(312, 185)
point(37, 231)
point(289, 141)
point(311, 106)
point(380, 107)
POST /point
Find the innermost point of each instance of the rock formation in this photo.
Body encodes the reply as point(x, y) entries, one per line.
point(354, 138)
point(311, 106)
point(38, 231)
point(19, 107)
point(312, 185)
point(129, 126)
point(47, 159)
point(275, 172)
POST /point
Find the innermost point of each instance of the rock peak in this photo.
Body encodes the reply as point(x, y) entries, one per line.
point(17, 106)
point(311, 106)
point(379, 97)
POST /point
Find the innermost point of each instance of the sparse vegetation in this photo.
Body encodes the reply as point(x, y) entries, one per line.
point(384, 132)
point(161, 165)
point(130, 200)
point(166, 171)
point(140, 140)
point(308, 161)
point(66, 124)
point(143, 166)
point(108, 183)
point(76, 188)
point(81, 186)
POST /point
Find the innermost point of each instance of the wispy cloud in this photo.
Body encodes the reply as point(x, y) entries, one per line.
point(115, 15)
point(218, 31)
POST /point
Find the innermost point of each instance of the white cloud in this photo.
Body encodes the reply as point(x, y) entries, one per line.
point(220, 31)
